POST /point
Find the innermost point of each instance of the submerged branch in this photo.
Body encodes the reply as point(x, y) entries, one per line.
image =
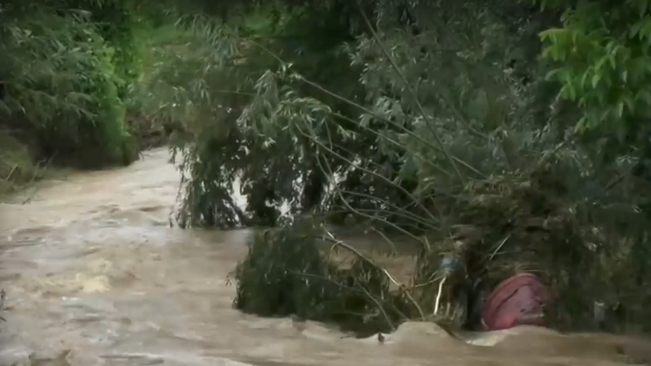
point(401, 286)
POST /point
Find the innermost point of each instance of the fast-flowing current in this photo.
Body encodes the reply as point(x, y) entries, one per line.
point(95, 275)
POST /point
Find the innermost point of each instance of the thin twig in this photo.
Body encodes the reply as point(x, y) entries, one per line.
point(499, 247)
point(392, 141)
point(389, 241)
point(379, 306)
point(389, 213)
point(361, 289)
point(386, 273)
point(407, 214)
point(438, 296)
point(437, 138)
point(385, 120)
point(11, 172)
point(348, 206)
point(433, 279)
point(441, 146)
point(351, 163)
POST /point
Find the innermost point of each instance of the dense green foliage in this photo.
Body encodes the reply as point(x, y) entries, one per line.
point(415, 118)
point(60, 86)
point(523, 121)
point(602, 56)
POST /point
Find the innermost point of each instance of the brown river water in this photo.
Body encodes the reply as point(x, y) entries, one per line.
point(94, 275)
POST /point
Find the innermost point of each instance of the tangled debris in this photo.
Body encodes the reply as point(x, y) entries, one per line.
point(288, 273)
point(509, 225)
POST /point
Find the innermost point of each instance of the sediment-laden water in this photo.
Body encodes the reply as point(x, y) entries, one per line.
point(94, 275)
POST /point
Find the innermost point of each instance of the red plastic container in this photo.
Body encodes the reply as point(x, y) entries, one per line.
point(519, 300)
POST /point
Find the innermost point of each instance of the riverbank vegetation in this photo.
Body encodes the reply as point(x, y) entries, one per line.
point(501, 137)
point(66, 78)
point(506, 137)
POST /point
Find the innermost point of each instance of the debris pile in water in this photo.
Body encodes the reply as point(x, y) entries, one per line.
point(511, 225)
point(287, 273)
point(504, 226)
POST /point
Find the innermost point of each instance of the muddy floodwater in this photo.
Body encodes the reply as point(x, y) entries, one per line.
point(95, 275)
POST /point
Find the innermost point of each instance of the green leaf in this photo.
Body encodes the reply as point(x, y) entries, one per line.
point(568, 92)
point(600, 64)
point(620, 109)
point(645, 32)
point(613, 62)
point(644, 96)
point(595, 79)
point(551, 34)
point(628, 101)
point(581, 126)
point(584, 79)
point(635, 29)
point(552, 74)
